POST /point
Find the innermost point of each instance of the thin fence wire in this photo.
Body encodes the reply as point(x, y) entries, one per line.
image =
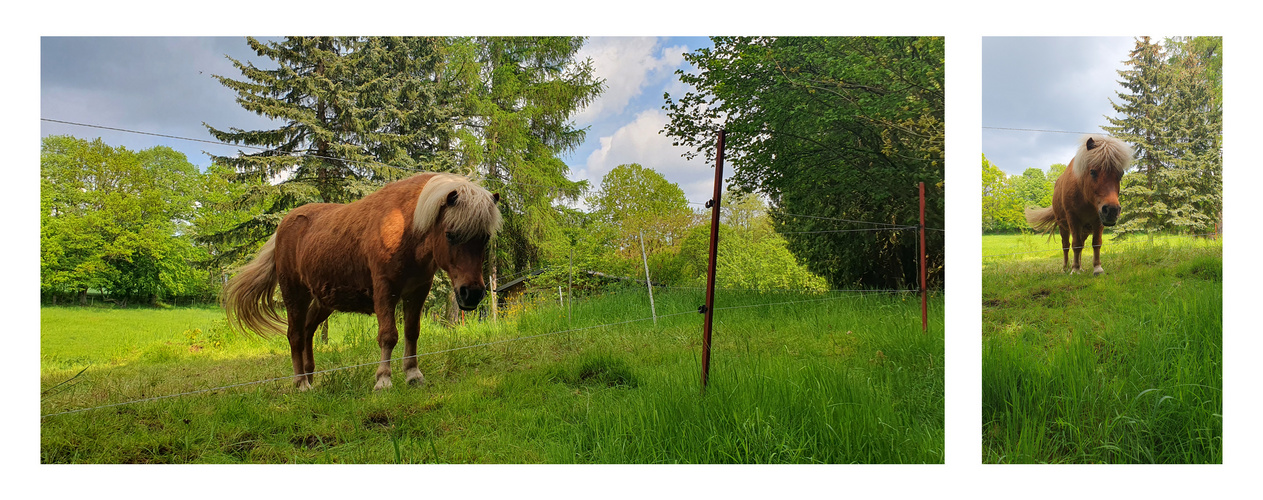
point(850, 230)
point(1038, 130)
point(886, 225)
point(443, 351)
point(1123, 244)
point(786, 290)
point(227, 144)
point(836, 297)
point(359, 365)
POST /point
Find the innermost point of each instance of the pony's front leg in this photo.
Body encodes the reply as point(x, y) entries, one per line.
point(411, 332)
point(387, 336)
point(1096, 251)
point(1079, 239)
point(1065, 249)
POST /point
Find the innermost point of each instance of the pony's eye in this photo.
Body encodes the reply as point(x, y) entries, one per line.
point(1093, 172)
point(450, 237)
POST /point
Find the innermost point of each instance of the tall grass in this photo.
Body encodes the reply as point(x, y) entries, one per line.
point(1125, 367)
point(846, 380)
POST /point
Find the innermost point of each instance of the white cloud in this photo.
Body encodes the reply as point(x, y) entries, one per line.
point(627, 65)
point(640, 142)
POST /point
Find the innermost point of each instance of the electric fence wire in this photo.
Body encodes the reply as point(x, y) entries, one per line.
point(432, 353)
point(1081, 248)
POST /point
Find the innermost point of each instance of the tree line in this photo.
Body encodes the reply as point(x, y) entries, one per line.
point(1171, 112)
point(126, 223)
point(840, 128)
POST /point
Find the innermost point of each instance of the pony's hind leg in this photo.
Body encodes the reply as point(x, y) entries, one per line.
point(315, 316)
point(296, 305)
point(1096, 251)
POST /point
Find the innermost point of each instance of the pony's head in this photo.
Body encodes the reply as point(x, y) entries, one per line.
point(458, 218)
point(1099, 165)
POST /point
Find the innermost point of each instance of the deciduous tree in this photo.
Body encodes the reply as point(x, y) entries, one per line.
point(115, 220)
point(830, 128)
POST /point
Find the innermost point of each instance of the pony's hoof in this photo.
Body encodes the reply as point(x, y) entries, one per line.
point(415, 378)
point(382, 383)
point(1098, 271)
point(302, 385)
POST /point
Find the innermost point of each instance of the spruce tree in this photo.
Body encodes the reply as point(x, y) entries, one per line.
point(518, 96)
point(1172, 115)
point(351, 114)
point(1196, 112)
point(1141, 125)
point(355, 113)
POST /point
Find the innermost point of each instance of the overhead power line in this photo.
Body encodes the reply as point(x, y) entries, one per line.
point(1039, 130)
point(116, 129)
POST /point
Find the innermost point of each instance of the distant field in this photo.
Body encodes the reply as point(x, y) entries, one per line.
point(1126, 367)
point(851, 379)
point(72, 338)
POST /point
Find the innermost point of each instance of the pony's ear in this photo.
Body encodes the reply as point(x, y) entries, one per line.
point(495, 197)
point(451, 198)
point(1091, 144)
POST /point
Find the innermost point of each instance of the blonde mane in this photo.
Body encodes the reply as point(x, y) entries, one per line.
point(475, 212)
point(1108, 154)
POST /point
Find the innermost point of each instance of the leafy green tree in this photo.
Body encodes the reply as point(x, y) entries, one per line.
point(115, 220)
point(831, 128)
point(751, 255)
point(589, 239)
point(220, 209)
point(638, 200)
point(1001, 204)
point(1033, 188)
point(1054, 171)
point(746, 213)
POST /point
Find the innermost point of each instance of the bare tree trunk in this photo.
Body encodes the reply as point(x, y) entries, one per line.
point(453, 313)
point(494, 300)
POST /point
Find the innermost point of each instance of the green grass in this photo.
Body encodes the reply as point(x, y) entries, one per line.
point(72, 338)
point(837, 381)
point(1125, 367)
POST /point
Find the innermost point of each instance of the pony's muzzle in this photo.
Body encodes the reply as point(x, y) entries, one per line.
point(467, 298)
point(1109, 214)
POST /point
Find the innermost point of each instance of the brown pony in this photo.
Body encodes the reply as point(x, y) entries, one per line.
point(366, 257)
point(1085, 198)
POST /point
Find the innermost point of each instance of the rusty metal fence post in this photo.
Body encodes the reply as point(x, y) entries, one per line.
point(709, 309)
point(924, 316)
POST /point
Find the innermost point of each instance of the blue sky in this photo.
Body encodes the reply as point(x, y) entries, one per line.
point(163, 85)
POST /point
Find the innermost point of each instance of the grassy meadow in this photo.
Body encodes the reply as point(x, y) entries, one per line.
point(851, 379)
point(1125, 367)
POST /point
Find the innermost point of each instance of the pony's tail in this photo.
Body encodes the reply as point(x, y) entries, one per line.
point(1041, 219)
point(248, 297)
